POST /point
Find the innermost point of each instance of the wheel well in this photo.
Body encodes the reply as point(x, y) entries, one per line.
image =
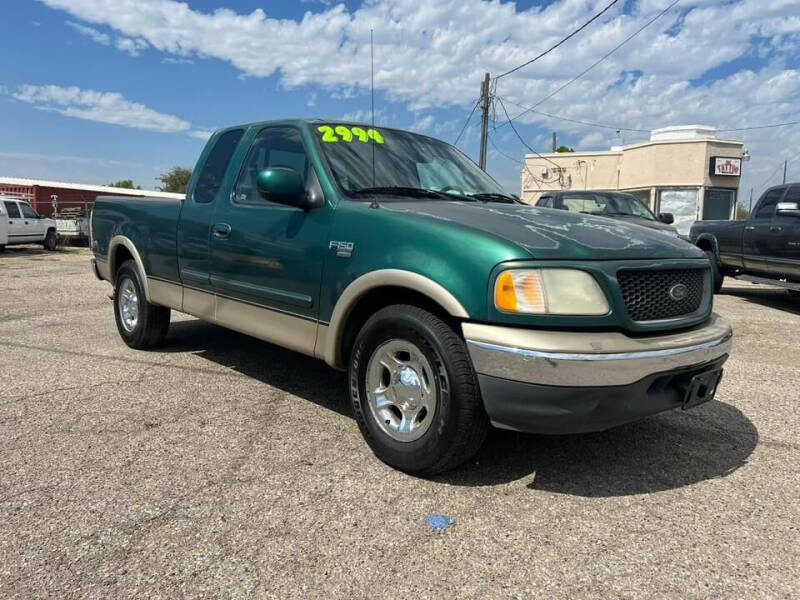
point(705, 244)
point(378, 298)
point(53, 229)
point(121, 254)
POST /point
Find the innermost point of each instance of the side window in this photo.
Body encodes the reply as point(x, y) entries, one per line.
point(767, 205)
point(12, 210)
point(216, 164)
point(272, 147)
point(545, 202)
point(27, 211)
point(793, 195)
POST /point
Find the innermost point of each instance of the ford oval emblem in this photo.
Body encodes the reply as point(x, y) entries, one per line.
point(678, 292)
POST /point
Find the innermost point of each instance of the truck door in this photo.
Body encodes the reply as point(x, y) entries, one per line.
point(757, 234)
point(197, 212)
point(16, 224)
point(35, 226)
point(784, 239)
point(269, 255)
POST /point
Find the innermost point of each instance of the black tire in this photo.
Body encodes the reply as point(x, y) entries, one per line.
point(459, 422)
point(50, 240)
point(2, 248)
point(152, 322)
point(716, 274)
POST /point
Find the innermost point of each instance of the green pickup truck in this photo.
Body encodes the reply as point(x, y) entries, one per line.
point(451, 305)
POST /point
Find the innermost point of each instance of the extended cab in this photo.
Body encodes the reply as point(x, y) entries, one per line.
point(20, 224)
point(764, 249)
point(392, 255)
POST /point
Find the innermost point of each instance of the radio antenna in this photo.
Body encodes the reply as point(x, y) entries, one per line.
point(372, 94)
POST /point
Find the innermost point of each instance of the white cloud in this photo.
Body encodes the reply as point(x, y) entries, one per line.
point(104, 107)
point(91, 32)
point(422, 124)
point(201, 134)
point(132, 46)
point(171, 60)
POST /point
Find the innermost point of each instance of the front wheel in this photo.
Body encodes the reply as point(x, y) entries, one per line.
point(140, 324)
point(50, 241)
point(414, 393)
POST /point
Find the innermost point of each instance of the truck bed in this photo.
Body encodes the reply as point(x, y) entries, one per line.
point(151, 223)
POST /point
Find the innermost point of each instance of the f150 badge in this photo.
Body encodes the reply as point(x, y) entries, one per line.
point(343, 249)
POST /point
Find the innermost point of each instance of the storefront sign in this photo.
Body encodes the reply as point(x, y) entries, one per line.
point(723, 165)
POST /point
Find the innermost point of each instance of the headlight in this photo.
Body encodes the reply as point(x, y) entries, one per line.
point(549, 291)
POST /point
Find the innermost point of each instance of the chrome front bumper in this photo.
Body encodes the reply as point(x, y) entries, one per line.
point(586, 359)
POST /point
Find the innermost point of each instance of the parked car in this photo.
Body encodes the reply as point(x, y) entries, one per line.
point(764, 249)
point(392, 255)
point(615, 205)
point(23, 225)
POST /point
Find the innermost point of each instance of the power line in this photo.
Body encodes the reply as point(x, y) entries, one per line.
point(549, 50)
point(763, 126)
point(593, 65)
point(589, 123)
point(521, 139)
point(469, 118)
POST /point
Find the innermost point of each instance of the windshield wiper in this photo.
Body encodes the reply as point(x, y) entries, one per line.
point(403, 191)
point(494, 197)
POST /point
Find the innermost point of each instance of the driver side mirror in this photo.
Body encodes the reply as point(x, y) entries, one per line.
point(667, 218)
point(787, 209)
point(285, 186)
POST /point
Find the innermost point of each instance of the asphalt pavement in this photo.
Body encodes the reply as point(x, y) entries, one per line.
point(221, 466)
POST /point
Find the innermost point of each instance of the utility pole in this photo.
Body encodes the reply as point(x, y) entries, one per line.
point(485, 101)
point(785, 162)
point(750, 210)
point(555, 142)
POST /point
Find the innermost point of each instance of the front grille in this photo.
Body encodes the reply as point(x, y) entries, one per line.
point(647, 293)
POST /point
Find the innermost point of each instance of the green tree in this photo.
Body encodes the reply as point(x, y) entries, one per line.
point(125, 183)
point(742, 214)
point(175, 180)
point(565, 149)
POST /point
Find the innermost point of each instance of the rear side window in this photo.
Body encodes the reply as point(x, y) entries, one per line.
point(12, 210)
point(545, 202)
point(767, 205)
point(210, 178)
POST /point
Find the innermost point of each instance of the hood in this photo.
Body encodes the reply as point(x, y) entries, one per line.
point(642, 222)
point(554, 234)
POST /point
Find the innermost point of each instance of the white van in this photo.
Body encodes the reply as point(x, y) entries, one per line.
point(20, 224)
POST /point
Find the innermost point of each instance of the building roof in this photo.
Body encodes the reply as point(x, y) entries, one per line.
point(102, 189)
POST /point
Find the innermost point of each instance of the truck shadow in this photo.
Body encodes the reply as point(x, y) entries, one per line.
point(664, 452)
point(769, 297)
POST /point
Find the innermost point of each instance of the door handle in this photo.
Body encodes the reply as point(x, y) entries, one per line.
point(776, 228)
point(749, 228)
point(221, 231)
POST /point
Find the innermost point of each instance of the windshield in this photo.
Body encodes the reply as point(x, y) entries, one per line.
point(402, 160)
point(606, 204)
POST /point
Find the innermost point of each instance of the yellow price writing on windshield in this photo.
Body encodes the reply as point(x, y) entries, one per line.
point(332, 135)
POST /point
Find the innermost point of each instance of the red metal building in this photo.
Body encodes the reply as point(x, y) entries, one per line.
point(49, 197)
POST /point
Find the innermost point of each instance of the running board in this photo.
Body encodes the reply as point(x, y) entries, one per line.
point(789, 285)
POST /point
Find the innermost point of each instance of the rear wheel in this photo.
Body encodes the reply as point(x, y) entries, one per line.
point(140, 324)
point(50, 240)
point(716, 273)
point(414, 393)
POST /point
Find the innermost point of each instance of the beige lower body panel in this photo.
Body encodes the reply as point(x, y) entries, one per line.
point(289, 331)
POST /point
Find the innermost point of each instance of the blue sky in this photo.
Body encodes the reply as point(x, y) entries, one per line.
point(99, 90)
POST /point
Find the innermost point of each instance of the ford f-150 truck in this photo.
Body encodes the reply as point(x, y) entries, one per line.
point(763, 249)
point(393, 256)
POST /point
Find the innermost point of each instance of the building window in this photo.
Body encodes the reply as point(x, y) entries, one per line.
point(717, 204)
point(683, 206)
